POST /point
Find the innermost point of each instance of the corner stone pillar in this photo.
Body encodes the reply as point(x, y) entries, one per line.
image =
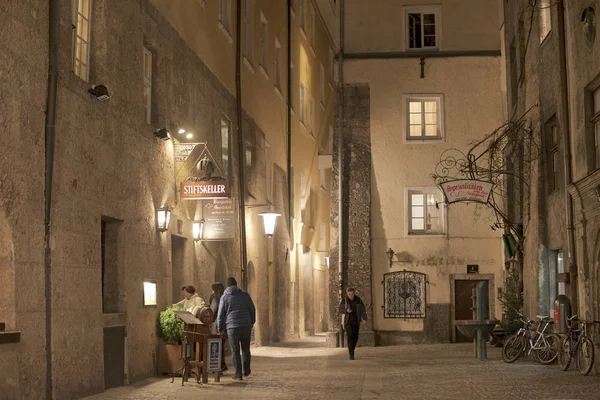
point(355, 237)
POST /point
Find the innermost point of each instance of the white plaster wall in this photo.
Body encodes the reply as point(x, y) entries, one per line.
point(473, 107)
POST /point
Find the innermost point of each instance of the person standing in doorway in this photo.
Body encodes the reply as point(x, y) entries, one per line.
point(237, 316)
point(215, 298)
point(353, 310)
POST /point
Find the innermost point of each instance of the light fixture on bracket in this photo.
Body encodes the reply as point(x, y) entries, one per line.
point(198, 230)
point(100, 92)
point(390, 254)
point(163, 134)
point(269, 218)
point(163, 217)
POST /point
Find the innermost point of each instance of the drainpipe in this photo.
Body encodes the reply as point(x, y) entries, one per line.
point(564, 90)
point(289, 115)
point(53, 22)
point(340, 155)
point(242, 187)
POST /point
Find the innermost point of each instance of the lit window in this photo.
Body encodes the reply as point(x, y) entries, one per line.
point(424, 117)
point(425, 211)
point(147, 85)
point(82, 10)
point(225, 125)
point(423, 27)
point(149, 293)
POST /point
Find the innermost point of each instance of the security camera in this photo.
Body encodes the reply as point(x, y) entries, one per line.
point(100, 92)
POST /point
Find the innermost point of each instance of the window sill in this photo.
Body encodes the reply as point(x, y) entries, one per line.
point(312, 50)
point(302, 32)
point(427, 235)
point(278, 93)
point(262, 70)
point(248, 64)
point(323, 188)
point(423, 141)
point(225, 32)
point(9, 336)
point(322, 106)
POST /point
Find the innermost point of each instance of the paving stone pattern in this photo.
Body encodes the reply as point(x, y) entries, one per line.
point(305, 369)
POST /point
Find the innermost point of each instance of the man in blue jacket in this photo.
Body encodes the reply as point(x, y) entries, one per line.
point(237, 314)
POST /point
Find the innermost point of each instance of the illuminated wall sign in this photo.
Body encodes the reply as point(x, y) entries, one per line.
point(219, 219)
point(211, 189)
point(467, 190)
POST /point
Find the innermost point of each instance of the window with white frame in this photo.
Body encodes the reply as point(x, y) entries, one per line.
point(225, 14)
point(302, 15)
point(81, 14)
point(147, 85)
point(545, 19)
point(322, 83)
point(248, 29)
point(313, 124)
point(425, 211)
point(424, 117)
point(596, 124)
point(264, 37)
point(302, 105)
point(277, 57)
point(313, 28)
point(225, 128)
point(423, 27)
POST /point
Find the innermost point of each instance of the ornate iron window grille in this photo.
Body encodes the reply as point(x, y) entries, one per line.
point(404, 294)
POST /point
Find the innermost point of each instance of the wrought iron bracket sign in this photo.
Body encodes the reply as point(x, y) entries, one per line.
point(466, 190)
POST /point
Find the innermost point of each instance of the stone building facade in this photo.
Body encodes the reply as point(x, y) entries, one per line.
point(423, 56)
point(162, 69)
point(551, 52)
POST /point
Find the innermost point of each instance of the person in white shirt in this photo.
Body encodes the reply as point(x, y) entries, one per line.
point(192, 303)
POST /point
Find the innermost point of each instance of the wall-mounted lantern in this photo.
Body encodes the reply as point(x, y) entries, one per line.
point(198, 229)
point(163, 217)
point(390, 254)
point(149, 293)
point(269, 222)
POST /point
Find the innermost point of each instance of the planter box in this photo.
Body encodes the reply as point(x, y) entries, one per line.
point(168, 358)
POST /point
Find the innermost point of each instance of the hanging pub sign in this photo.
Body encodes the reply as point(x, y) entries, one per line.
point(219, 219)
point(467, 190)
point(183, 150)
point(199, 189)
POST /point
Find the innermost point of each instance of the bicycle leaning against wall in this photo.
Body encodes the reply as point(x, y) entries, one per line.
point(577, 343)
point(541, 345)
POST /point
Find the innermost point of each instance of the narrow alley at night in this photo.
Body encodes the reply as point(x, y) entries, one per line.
point(291, 199)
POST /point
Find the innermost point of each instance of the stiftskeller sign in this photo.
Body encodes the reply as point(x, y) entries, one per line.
point(467, 190)
point(205, 189)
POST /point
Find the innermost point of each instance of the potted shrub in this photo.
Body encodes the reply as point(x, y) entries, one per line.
point(169, 329)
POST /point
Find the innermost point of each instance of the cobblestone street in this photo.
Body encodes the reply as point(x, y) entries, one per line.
point(305, 369)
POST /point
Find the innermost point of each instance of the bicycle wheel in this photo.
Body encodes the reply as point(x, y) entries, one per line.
point(585, 356)
point(513, 348)
point(549, 352)
point(564, 354)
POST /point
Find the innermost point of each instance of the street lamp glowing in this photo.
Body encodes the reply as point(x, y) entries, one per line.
point(197, 230)
point(163, 217)
point(269, 222)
